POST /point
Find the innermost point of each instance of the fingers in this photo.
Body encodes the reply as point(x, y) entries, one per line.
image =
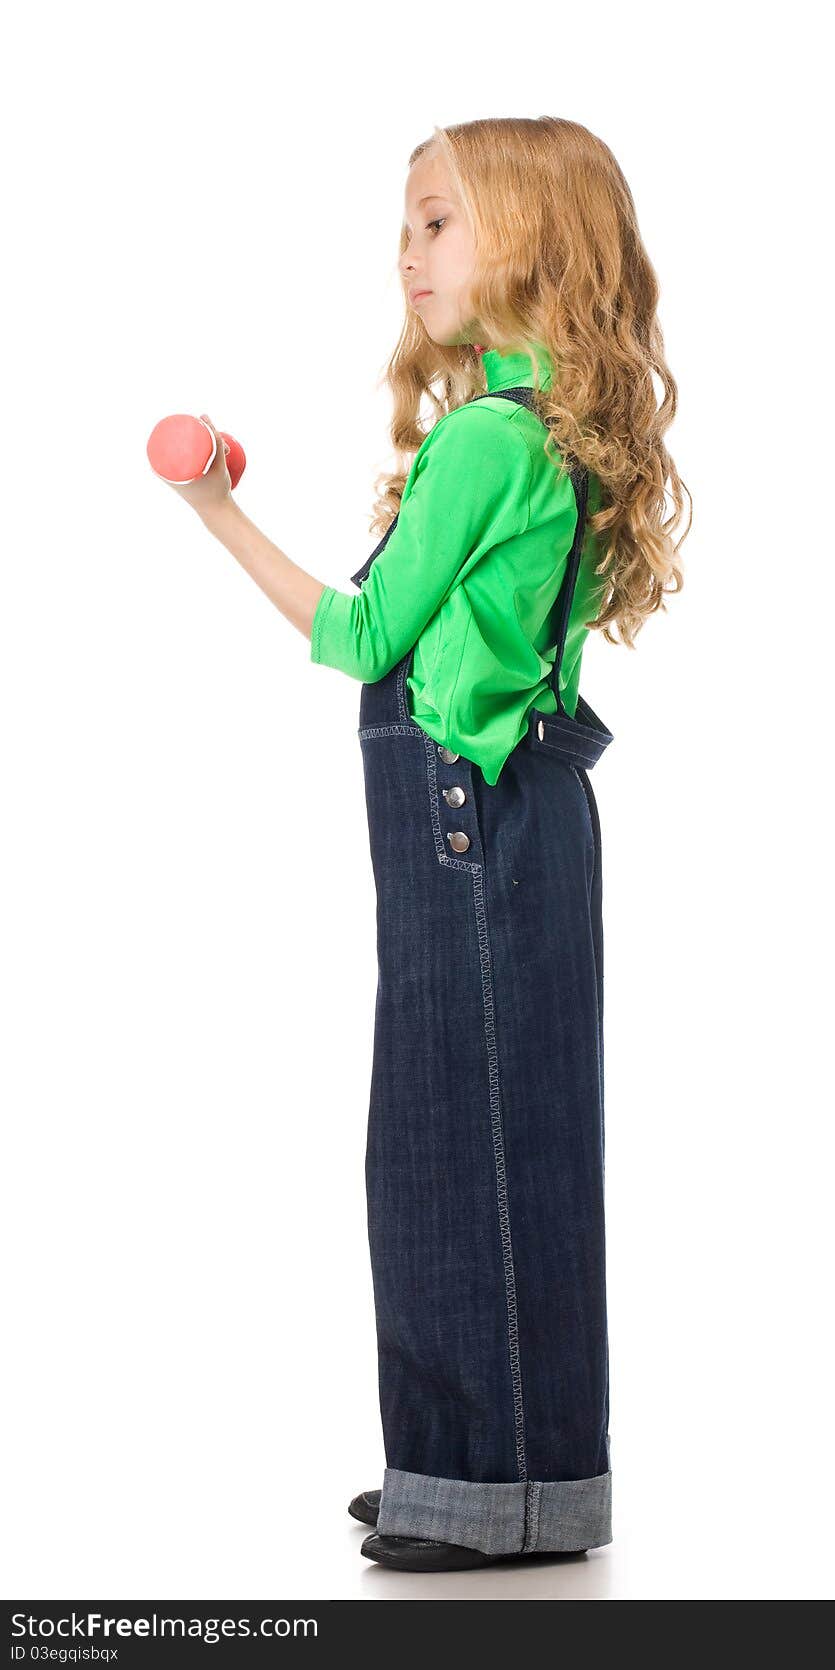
point(206, 419)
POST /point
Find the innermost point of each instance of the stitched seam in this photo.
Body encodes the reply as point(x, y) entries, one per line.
point(563, 724)
point(389, 730)
point(320, 613)
point(594, 823)
point(533, 1498)
point(587, 756)
point(588, 812)
point(501, 1170)
point(524, 437)
point(537, 1501)
point(571, 744)
point(401, 690)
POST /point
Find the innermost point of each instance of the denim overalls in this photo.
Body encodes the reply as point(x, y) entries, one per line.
point(485, 1149)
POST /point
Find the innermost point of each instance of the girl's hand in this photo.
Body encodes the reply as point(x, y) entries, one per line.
point(213, 488)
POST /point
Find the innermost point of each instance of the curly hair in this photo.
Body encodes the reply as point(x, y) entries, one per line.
point(559, 262)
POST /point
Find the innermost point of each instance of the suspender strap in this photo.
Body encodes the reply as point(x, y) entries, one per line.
point(362, 573)
point(580, 481)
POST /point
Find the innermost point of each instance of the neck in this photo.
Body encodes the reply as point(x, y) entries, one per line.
point(515, 369)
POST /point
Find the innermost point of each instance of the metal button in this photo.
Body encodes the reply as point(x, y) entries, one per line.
point(458, 840)
point(447, 755)
point(454, 797)
point(540, 731)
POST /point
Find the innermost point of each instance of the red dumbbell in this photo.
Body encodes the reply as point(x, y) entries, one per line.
point(181, 448)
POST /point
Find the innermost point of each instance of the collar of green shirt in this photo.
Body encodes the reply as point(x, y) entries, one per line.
point(504, 371)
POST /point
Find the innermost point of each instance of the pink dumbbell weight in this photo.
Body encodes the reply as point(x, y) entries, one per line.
point(181, 448)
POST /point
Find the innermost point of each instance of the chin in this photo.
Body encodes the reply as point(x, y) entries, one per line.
point(452, 337)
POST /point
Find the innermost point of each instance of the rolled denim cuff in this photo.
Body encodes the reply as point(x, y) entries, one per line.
point(527, 1516)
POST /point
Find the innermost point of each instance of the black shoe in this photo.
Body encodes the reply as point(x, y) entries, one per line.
point(423, 1554)
point(366, 1506)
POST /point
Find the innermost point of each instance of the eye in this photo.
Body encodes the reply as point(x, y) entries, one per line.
point(438, 223)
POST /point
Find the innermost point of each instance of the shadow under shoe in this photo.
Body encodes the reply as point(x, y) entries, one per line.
point(366, 1506)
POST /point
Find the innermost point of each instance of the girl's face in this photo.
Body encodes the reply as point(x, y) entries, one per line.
point(440, 254)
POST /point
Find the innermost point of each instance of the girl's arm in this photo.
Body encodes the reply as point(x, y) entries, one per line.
point(292, 590)
point(468, 489)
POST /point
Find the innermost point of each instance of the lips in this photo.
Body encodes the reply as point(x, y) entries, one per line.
point(418, 295)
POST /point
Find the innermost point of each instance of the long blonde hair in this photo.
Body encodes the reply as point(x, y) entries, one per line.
point(559, 262)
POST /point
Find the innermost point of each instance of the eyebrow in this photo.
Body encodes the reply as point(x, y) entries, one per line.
point(431, 197)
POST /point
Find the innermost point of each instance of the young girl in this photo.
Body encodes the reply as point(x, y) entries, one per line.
point(531, 512)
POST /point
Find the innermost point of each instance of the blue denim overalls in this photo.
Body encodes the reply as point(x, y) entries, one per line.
point(485, 1150)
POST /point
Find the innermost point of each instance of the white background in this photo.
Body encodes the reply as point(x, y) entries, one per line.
point(201, 214)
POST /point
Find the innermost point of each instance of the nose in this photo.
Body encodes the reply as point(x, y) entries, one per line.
point(407, 259)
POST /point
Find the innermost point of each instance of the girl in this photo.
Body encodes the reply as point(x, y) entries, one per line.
point(529, 514)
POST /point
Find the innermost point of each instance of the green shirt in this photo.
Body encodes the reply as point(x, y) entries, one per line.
point(469, 578)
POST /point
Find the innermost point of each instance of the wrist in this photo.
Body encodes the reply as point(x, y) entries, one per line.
point(219, 514)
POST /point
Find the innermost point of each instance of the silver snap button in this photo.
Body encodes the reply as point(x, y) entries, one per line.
point(540, 731)
point(447, 755)
point(458, 840)
point(454, 797)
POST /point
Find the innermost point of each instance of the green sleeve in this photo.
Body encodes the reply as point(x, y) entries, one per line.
point(468, 489)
